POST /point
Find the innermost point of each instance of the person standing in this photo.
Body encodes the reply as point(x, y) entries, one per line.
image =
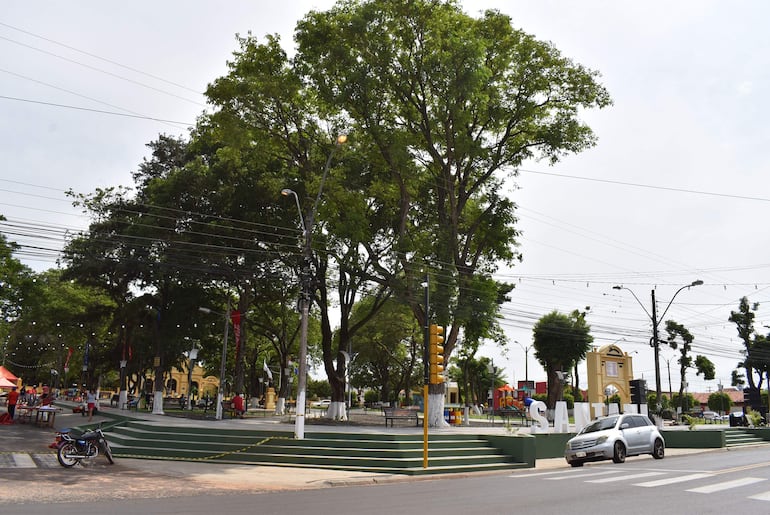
point(91, 403)
point(238, 405)
point(13, 398)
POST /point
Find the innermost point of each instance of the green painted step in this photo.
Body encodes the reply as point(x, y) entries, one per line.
point(389, 453)
point(737, 437)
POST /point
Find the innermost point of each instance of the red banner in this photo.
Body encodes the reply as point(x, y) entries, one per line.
point(235, 316)
point(69, 355)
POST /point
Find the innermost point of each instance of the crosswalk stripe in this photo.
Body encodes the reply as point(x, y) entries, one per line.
point(671, 480)
point(718, 487)
point(24, 461)
point(576, 476)
point(535, 474)
point(625, 478)
point(764, 496)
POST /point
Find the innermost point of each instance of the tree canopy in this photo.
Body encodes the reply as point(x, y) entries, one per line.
point(560, 342)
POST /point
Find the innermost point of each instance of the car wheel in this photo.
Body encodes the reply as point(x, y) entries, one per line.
point(619, 454)
point(658, 449)
point(576, 463)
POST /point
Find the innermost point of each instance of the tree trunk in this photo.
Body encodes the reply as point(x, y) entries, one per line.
point(554, 387)
point(435, 412)
point(750, 376)
point(337, 410)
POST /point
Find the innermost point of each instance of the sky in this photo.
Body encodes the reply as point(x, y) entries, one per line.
point(674, 191)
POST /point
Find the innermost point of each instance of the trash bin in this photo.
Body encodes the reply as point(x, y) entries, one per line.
point(446, 414)
point(458, 417)
point(737, 420)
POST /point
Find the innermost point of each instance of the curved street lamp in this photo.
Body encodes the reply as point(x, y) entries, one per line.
point(305, 298)
point(655, 321)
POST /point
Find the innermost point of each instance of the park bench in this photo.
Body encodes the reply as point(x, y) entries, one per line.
point(511, 412)
point(228, 409)
point(133, 404)
point(394, 414)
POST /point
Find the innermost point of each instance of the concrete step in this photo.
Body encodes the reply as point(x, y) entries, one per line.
point(384, 453)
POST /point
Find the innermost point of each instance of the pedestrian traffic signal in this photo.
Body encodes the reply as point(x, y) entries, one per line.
point(436, 354)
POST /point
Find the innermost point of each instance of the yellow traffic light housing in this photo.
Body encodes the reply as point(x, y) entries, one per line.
point(436, 354)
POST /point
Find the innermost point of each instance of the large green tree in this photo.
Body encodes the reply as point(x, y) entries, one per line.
point(450, 105)
point(388, 354)
point(679, 337)
point(744, 324)
point(560, 342)
point(16, 281)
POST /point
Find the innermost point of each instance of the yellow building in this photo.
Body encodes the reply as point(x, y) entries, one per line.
point(609, 366)
point(177, 384)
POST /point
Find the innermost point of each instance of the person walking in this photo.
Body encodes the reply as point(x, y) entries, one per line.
point(13, 398)
point(91, 403)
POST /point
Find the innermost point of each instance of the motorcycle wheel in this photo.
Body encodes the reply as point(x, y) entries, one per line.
point(67, 449)
point(108, 452)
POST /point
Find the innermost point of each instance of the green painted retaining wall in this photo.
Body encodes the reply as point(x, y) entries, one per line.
point(520, 447)
point(687, 439)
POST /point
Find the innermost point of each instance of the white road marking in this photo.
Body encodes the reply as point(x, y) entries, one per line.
point(625, 478)
point(671, 480)
point(761, 497)
point(726, 485)
point(576, 476)
point(24, 461)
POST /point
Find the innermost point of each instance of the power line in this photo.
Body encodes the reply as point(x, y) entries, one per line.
point(648, 186)
point(110, 61)
point(100, 111)
point(94, 68)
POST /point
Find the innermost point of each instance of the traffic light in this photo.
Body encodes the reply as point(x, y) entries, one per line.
point(752, 398)
point(436, 354)
point(638, 389)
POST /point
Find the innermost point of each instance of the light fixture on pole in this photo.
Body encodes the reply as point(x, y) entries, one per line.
point(305, 297)
point(654, 341)
point(221, 390)
point(526, 364)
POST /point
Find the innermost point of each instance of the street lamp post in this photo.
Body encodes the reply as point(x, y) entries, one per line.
point(526, 364)
point(220, 391)
point(193, 356)
point(654, 342)
point(305, 298)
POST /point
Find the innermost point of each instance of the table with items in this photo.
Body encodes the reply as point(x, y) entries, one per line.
point(43, 416)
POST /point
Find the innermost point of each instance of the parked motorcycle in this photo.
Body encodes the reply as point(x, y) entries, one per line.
point(86, 447)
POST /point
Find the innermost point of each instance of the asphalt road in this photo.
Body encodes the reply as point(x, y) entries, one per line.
point(32, 481)
point(725, 482)
point(715, 482)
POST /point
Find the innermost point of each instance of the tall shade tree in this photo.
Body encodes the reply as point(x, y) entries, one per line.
point(681, 338)
point(264, 98)
point(16, 280)
point(388, 353)
point(560, 341)
point(744, 323)
point(451, 105)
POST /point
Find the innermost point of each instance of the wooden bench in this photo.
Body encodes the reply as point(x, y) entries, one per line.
point(133, 404)
point(394, 414)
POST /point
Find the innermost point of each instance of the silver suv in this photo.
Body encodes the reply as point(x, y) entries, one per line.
point(615, 437)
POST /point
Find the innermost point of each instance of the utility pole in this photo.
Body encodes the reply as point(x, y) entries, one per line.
point(656, 347)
